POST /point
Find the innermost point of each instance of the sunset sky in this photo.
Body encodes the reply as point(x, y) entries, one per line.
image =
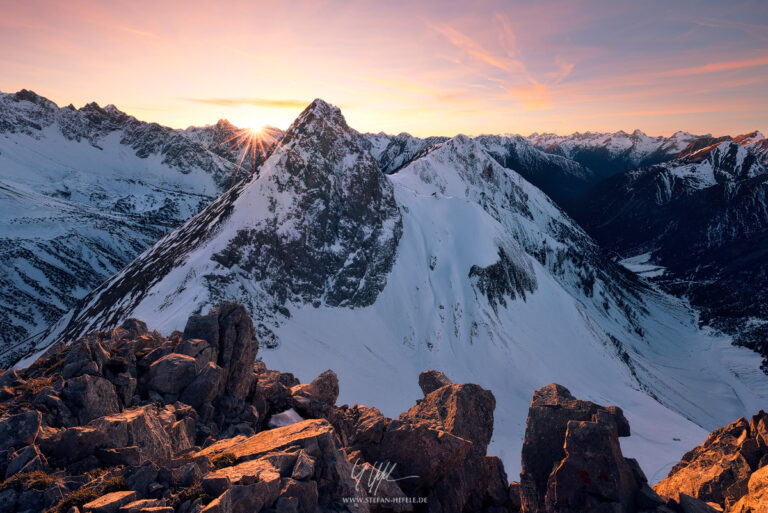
point(429, 68)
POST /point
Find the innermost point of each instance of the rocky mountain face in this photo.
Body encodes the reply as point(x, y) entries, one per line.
point(84, 191)
point(608, 154)
point(395, 151)
point(453, 262)
point(562, 179)
point(701, 220)
point(126, 420)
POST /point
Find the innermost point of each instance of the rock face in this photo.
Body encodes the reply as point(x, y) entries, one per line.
point(720, 470)
point(233, 346)
point(128, 421)
point(190, 423)
point(552, 408)
point(572, 461)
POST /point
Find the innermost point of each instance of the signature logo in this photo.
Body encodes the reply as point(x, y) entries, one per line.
point(377, 474)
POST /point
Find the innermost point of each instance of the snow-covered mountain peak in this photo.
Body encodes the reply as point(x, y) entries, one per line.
point(317, 116)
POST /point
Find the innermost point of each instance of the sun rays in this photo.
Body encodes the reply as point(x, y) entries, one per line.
point(252, 147)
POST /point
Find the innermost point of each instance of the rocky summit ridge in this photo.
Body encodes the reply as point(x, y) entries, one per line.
point(129, 421)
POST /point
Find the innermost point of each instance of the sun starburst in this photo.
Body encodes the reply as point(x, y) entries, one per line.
point(251, 145)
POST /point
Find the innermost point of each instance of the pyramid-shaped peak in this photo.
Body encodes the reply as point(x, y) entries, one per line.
point(319, 108)
point(319, 117)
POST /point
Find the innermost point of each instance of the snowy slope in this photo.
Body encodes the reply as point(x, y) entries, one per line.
point(454, 262)
point(83, 192)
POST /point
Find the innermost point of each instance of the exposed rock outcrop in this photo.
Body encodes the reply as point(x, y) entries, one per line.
point(720, 470)
point(129, 421)
point(572, 461)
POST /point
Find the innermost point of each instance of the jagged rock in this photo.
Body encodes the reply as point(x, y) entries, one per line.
point(73, 444)
point(141, 478)
point(171, 373)
point(121, 456)
point(495, 486)
point(756, 498)
point(514, 496)
point(141, 505)
point(719, 469)
point(431, 380)
point(133, 328)
point(416, 447)
point(205, 387)
point(85, 356)
point(552, 407)
point(230, 330)
point(274, 388)
point(245, 498)
point(26, 460)
point(304, 468)
point(303, 492)
point(90, 397)
point(308, 432)
point(593, 475)
point(201, 350)
point(318, 397)
point(275, 452)
point(139, 427)
point(688, 504)
point(464, 411)
point(109, 503)
point(19, 429)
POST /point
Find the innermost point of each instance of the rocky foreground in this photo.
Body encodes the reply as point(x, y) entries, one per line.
point(127, 421)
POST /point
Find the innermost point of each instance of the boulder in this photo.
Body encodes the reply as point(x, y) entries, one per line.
point(26, 460)
point(309, 433)
point(205, 387)
point(110, 503)
point(304, 468)
point(552, 408)
point(19, 429)
point(140, 427)
point(85, 356)
point(275, 453)
point(171, 373)
point(89, 397)
point(66, 446)
point(464, 411)
point(687, 504)
point(316, 399)
point(431, 380)
point(201, 350)
point(416, 447)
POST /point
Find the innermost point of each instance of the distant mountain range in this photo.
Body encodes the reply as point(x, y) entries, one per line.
point(84, 191)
